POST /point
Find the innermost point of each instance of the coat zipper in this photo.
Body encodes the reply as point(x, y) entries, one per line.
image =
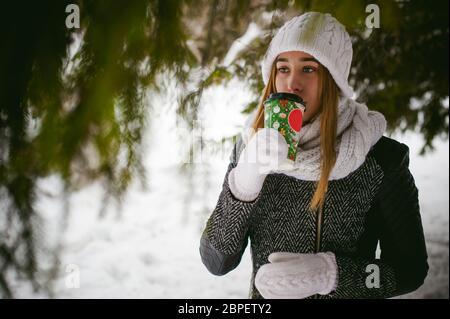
point(319, 221)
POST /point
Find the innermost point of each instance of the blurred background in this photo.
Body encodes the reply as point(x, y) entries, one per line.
point(117, 120)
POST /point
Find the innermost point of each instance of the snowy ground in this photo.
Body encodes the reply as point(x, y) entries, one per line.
point(150, 250)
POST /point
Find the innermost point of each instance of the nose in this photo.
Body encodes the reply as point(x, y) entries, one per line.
point(294, 83)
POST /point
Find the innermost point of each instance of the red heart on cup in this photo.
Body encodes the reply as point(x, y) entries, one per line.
point(295, 118)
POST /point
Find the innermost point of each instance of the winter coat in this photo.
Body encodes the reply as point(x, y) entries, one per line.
point(376, 203)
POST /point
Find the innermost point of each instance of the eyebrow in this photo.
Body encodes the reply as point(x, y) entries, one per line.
point(300, 59)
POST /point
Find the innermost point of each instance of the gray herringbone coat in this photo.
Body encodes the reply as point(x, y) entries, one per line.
point(377, 202)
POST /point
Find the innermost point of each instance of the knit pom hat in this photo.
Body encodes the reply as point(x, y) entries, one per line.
point(319, 35)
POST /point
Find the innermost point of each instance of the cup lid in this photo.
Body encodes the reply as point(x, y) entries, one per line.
point(286, 96)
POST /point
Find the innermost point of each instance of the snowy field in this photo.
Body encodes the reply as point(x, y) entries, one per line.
point(150, 248)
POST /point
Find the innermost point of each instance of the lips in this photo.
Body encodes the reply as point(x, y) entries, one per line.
point(298, 96)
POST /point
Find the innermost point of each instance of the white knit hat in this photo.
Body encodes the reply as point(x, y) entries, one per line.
point(319, 35)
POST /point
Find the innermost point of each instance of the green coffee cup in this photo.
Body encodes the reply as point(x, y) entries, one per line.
point(284, 112)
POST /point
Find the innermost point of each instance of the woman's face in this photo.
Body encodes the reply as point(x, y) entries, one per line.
point(297, 73)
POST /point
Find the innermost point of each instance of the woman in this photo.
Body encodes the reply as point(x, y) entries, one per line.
point(314, 229)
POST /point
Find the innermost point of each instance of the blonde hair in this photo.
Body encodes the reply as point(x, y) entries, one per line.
point(328, 101)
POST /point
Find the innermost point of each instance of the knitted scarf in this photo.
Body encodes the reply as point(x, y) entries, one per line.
point(358, 129)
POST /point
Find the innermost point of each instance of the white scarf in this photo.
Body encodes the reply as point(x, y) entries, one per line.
point(358, 129)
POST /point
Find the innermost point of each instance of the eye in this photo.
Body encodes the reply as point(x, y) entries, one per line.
point(283, 69)
point(308, 69)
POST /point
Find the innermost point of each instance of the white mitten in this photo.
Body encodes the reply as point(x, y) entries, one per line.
point(266, 151)
point(297, 276)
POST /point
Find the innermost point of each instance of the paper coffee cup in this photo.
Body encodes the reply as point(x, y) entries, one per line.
point(284, 112)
